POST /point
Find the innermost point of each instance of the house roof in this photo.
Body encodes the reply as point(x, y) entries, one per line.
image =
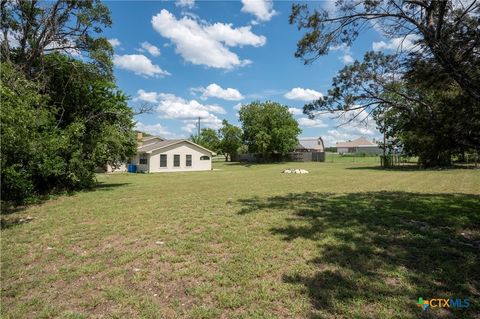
point(361, 141)
point(310, 143)
point(159, 144)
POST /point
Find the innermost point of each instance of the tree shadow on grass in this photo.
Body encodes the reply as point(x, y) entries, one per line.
point(409, 168)
point(378, 252)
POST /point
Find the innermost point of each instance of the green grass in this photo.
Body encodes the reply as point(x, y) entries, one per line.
point(245, 241)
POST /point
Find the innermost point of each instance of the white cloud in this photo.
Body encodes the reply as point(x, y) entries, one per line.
point(211, 121)
point(398, 44)
point(301, 94)
point(185, 3)
point(150, 48)
point(114, 42)
point(347, 59)
point(204, 44)
point(235, 36)
point(262, 9)
point(154, 129)
point(138, 64)
point(174, 107)
point(295, 111)
point(215, 90)
point(361, 124)
point(237, 106)
point(306, 122)
point(142, 95)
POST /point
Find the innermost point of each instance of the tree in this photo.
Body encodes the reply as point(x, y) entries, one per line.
point(268, 128)
point(208, 138)
point(444, 124)
point(446, 30)
point(31, 29)
point(416, 105)
point(231, 140)
point(62, 114)
point(56, 135)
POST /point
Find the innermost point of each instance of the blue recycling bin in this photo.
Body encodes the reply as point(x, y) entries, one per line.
point(132, 168)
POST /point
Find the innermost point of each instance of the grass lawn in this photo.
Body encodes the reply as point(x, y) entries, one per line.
point(345, 241)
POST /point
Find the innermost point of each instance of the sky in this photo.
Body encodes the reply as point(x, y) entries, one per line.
point(190, 59)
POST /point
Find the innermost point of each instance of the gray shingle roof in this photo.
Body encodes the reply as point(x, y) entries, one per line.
point(361, 141)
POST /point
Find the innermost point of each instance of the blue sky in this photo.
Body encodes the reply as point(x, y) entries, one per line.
point(206, 58)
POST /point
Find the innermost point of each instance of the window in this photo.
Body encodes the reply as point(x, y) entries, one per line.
point(204, 158)
point(143, 159)
point(176, 160)
point(188, 161)
point(163, 160)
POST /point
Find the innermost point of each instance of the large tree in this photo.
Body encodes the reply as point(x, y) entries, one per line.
point(31, 29)
point(230, 140)
point(268, 128)
point(447, 31)
point(62, 115)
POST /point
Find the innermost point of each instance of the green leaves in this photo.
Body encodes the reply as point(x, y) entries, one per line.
point(268, 128)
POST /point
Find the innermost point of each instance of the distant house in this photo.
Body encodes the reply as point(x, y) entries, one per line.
point(310, 144)
point(359, 145)
point(157, 155)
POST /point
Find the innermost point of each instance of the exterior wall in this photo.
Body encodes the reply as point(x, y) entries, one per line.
point(374, 149)
point(181, 149)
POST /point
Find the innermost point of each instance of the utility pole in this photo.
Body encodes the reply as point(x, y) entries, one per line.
point(198, 126)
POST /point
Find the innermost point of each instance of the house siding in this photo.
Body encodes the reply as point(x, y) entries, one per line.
point(183, 149)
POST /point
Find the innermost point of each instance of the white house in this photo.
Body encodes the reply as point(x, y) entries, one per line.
point(359, 145)
point(157, 155)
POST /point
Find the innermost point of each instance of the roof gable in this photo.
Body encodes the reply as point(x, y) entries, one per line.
point(361, 141)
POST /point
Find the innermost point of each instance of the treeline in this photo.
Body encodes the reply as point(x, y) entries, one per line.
point(426, 96)
point(62, 115)
point(267, 128)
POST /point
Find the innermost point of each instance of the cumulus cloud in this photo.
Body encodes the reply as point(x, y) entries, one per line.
point(185, 3)
point(154, 129)
point(205, 44)
point(295, 111)
point(306, 122)
point(301, 94)
point(261, 9)
point(114, 42)
point(150, 48)
point(174, 107)
point(215, 90)
point(347, 59)
point(211, 121)
point(398, 44)
point(142, 95)
point(138, 64)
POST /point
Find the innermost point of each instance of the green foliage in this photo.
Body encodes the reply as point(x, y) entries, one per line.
point(231, 140)
point(208, 138)
point(70, 27)
point(446, 31)
point(444, 122)
point(61, 117)
point(54, 140)
point(268, 128)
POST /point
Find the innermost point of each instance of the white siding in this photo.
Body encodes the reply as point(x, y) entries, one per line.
point(183, 149)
